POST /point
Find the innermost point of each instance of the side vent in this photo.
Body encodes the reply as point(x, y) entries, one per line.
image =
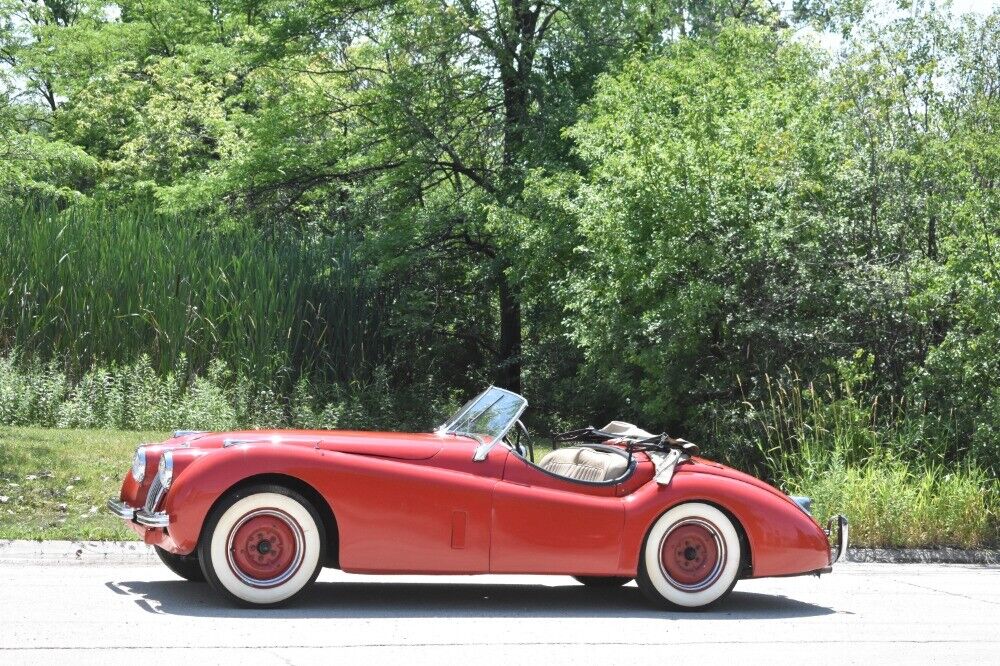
point(459, 519)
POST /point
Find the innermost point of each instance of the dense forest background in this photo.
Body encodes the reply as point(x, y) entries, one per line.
point(686, 214)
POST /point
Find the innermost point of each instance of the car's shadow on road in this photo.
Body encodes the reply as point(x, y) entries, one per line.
point(423, 600)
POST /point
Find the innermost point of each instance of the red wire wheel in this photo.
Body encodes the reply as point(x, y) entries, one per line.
point(692, 555)
point(265, 548)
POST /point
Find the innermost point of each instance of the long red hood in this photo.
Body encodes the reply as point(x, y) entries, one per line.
point(406, 446)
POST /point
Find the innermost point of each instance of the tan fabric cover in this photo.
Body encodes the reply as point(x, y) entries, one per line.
point(584, 464)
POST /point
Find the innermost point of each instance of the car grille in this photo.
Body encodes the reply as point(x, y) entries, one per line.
point(155, 494)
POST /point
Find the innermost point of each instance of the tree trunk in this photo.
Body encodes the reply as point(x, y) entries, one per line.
point(509, 371)
point(515, 62)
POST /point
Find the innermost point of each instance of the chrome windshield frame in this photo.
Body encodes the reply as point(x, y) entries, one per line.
point(484, 446)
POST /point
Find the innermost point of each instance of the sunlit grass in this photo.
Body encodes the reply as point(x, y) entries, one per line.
point(54, 483)
point(890, 504)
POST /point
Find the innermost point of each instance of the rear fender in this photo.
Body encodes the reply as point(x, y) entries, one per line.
point(783, 540)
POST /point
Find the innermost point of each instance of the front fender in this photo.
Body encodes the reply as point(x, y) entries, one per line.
point(200, 484)
point(783, 539)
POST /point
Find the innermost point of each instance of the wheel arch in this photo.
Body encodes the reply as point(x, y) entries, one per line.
point(746, 550)
point(303, 488)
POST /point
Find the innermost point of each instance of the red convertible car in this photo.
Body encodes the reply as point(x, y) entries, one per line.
point(259, 513)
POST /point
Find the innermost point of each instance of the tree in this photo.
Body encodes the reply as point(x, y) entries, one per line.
point(706, 213)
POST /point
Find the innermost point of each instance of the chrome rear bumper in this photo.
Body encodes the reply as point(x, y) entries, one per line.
point(839, 551)
point(141, 516)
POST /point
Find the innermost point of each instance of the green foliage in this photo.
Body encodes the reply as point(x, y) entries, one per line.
point(891, 504)
point(33, 166)
point(747, 207)
point(872, 462)
point(135, 397)
point(30, 395)
point(703, 215)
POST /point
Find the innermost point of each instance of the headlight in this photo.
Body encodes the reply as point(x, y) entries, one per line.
point(166, 470)
point(139, 464)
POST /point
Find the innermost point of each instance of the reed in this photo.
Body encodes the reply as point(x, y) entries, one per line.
point(877, 462)
point(95, 285)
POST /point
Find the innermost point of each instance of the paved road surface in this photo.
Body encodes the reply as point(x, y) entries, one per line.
point(142, 614)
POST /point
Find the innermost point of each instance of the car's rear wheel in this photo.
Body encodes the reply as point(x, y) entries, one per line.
point(691, 557)
point(262, 545)
point(186, 566)
point(603, 581)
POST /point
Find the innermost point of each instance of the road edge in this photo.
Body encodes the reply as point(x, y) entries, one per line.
point(942, 555)
point(23, 550)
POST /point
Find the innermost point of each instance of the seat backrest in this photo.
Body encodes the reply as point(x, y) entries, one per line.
point(584, 464)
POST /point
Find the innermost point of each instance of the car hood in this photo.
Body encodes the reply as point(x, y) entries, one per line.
point(404, 446)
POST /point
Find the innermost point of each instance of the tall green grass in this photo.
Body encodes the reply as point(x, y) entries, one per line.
point(875, 464)
point(893, 503)
point(94, 285)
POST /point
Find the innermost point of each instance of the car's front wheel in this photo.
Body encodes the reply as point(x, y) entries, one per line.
point(262, 545)
point(186, 566)
point(691, 557)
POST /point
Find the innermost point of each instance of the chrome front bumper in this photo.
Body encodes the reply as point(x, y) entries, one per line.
point(839, 551)
point(141, 516)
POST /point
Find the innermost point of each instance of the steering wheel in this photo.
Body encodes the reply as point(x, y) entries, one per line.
point(525, 449)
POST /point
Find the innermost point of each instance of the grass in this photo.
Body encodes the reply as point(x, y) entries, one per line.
point(890, 504)
point(54, 483)
point(869, 462)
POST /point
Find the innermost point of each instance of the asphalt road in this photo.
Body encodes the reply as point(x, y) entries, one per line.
point(140, 613)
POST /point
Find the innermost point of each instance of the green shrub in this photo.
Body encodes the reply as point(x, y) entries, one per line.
point(135, 397)
point(31, 395)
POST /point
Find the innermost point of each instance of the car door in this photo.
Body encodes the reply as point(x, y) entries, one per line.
point(417, 516)
point(548, 524)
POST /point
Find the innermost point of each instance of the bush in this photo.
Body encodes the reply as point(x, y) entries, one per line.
point(31, 395)
point(135, 397)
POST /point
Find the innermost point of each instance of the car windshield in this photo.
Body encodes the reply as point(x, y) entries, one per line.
point(490, 414)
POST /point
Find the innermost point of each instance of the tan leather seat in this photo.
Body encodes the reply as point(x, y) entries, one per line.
point(584, 464)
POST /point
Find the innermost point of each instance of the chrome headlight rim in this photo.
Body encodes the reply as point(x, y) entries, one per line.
point(165, 470)
point(139, 464)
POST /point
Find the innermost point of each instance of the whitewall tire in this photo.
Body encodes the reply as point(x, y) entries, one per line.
point(691, 557)
point(262, 545)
